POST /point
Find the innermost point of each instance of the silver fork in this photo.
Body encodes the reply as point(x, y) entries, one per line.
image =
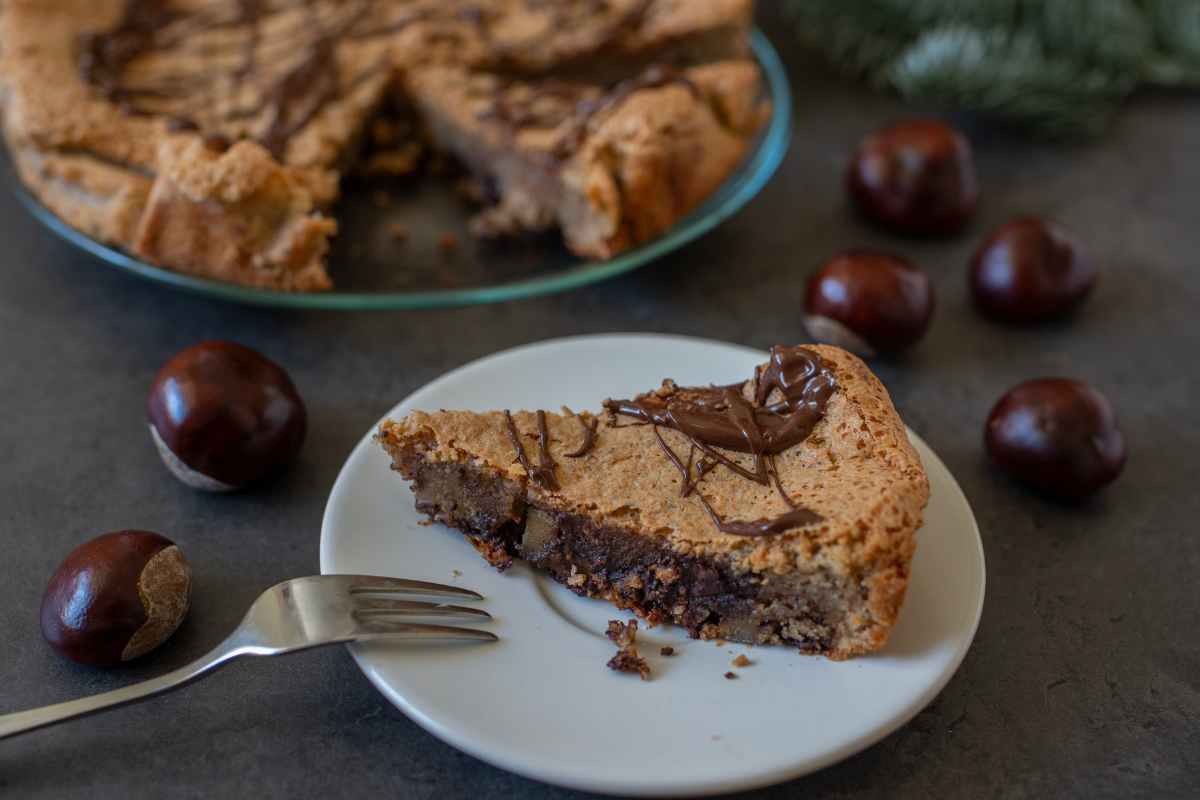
point(291, 616)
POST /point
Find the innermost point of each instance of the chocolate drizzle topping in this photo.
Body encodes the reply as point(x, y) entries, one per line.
point(287, 102)
point(104, 56)
point(796, 518)
point(552, 103)
point(654, 77)
point(589, 438)
point(790, 395)
point(543, 473)
point(245, 91)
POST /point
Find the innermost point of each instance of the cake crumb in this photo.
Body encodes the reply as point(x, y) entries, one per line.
point(730, 676)
point(720, 642)
point(666, 574)
point(624, 635)
point(629, 661)
point(398, 231)
point(667, 651)
point(742, 661)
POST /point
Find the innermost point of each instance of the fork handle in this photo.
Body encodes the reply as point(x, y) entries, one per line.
point(25, 721)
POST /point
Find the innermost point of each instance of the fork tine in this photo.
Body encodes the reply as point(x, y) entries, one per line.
point(389, 629)
point(374, 584)
point(378, 607)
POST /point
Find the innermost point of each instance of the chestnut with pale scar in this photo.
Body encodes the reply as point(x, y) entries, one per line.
point(116, 597)
point(224, 416)
point(870, 303)
point(778, 509)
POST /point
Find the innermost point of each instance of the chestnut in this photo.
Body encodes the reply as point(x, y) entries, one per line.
point(116, 597)
point(1057, 435)
point(869, 303)
point(915, 177)
point(224, 416)
point(1030, 270)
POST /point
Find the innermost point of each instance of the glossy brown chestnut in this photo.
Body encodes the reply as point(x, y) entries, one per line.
point(116, 597)
point(869, 303)
point(224, 416)
point(915, 177)
point(1030, 270)
point(1057, 435)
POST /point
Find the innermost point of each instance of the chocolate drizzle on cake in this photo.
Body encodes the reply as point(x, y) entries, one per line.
point(300, 94)
point(589, 438)
point(287, 103)
point(796, 518)
point(547, 105)
point(789, 398)
point(104, 56)
point(654, 77)
point(565, 15)
point(287, 100)
point(543, 473)
point(552, 103)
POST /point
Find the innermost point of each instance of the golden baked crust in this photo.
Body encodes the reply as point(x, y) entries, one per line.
point(236, 216)
point(658, 155)
point(302, 79)
point(857, 470)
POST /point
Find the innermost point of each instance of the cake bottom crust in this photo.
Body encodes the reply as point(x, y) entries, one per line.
point(813, 609)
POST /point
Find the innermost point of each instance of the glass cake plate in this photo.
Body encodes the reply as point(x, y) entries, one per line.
point(439, 264)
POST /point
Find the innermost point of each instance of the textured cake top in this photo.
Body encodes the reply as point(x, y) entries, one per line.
point(115, 76)
point(854, 472)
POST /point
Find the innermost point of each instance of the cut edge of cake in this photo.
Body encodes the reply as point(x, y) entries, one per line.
point(655, 147)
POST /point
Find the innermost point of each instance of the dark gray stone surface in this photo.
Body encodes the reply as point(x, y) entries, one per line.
point(1084, 680)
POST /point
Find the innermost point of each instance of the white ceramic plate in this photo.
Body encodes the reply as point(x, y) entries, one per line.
point(541, 701)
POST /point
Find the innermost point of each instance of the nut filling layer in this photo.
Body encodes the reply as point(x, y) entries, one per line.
point(631, 571)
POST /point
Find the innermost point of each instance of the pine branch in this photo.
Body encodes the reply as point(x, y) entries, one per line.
point(1102, 34)
point(1008, 74)
point(1060, 66)
point(1176, 30)
point(849, 36)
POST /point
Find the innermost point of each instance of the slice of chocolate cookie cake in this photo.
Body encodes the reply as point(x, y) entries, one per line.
point(779, 510)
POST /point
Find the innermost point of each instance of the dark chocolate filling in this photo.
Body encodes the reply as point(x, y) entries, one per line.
point(634, 571)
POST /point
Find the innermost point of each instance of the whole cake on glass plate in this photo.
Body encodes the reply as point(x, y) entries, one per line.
point(782, 509)
point(210, 136)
